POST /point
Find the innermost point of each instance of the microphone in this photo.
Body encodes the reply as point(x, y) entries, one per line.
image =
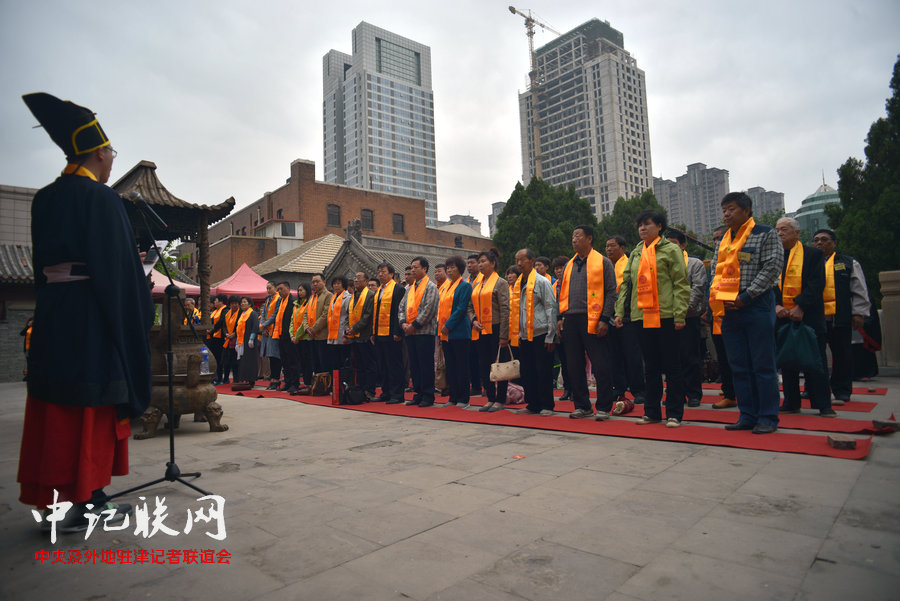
point(142, 204)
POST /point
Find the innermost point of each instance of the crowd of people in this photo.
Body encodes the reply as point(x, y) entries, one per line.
point(629, 319)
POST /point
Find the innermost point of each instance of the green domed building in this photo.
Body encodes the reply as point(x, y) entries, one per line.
point(811, 213)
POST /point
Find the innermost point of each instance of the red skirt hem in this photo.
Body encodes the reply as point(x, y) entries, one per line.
point(70, 449)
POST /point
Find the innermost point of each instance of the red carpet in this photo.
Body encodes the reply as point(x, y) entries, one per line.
point(857, 390)
point(780, 441)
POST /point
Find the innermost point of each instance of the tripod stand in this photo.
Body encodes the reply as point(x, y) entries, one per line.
point(173, 472)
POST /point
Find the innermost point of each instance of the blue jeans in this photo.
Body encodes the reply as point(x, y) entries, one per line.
point(749, 337)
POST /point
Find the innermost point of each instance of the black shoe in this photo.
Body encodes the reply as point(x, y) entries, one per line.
point(273, 385)
point(740, 426)
point(784, 409)
point(764, 428)
point(497, 407)
point(427, 403)
point(393, 401)
point(639, 398)
point(409, 389)
point(414, 401)
point(485, 409)
point(566, 396)
point(293, 390)
point(693, 403)
point(827, 413)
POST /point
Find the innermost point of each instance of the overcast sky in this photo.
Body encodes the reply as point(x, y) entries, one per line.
point(223, 95)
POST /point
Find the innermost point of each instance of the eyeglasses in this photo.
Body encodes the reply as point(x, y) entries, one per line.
point(822, 239)
point(113, 151)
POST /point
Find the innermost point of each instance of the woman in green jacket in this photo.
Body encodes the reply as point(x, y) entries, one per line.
point(655, 291)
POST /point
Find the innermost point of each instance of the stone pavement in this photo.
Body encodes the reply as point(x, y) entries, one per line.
point(329, 504)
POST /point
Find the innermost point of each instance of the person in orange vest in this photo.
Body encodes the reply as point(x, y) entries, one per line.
point(627, 363)
point(268, 346)
point(559, 355)
point(489, 313)
point(417, 315)
point(359, 331)
point(714, 319)
point(281, 331)
point(338, 323)
point(456, 331)
point(473, 276)
point(587, 302)
point(798, 298)
point(317, 323)
point(388, 335)
point(215, 338)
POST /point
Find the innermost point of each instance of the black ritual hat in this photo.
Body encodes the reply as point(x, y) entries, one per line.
point(74, 128)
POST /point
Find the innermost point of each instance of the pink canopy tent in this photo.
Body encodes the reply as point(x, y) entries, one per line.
point(244, 282)
point(160, 282)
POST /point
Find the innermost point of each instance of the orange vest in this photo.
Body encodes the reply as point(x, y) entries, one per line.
point(413, 300)
point(269, 310)
point(385, 296)
point(482, 302)
point(334, 316)
point(620, 266)
point(445, 307)
point(215, 317)
point(242, 326)
point(595, 288)
point(792, 281)
point(515, 305)
point(356, 309)
point(230, 322)
point(279, 317)
point(828, 294)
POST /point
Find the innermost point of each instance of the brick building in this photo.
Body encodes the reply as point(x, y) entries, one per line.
point(304, 209)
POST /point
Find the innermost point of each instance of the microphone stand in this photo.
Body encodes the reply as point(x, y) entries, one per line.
point(173, 473)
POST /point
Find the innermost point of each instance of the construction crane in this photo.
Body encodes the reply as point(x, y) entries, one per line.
point(530, 22)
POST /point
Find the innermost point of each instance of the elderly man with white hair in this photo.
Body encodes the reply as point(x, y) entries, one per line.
point(798, 298)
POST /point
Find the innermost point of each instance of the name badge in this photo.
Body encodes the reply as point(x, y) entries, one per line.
point(743, 256)
point(839, 266)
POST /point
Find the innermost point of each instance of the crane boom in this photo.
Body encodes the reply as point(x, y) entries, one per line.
point(530, 22)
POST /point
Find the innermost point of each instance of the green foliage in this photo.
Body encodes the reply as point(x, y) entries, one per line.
point(694, 249)
point(868, 218)
point(622, 220)
point(541, 217)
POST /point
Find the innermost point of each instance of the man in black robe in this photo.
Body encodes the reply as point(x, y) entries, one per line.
point(89, 362)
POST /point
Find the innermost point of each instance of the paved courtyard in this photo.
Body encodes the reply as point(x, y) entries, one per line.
point(330, 504)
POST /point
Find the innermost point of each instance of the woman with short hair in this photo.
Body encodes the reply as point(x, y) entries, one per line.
point(489, 313)
point(456, 331)
point(659, 293)
point(246, 347)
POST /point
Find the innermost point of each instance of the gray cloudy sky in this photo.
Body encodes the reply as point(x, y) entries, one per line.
point(223, 95)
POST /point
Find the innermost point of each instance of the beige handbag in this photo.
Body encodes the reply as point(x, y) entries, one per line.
point(504, 371)
point(440, 372)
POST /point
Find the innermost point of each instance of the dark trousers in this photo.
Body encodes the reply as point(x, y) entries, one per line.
point(456, 361)
point(690, 358)
point(215, 347)
point(816, 383)
point(749, 337)
point(559, 365)
point(486, 349)
point(389, 353)
point(627, 363)
point(304, 354)
point(839, 340)
point(338, 356)
point(536, 365)
point(275, 366)
point(661, 348)
point(290, 362)
point(230, 360)
point(474, 371)
point(421, 365)
point(724, 367)
point(576, 343)
point(363, 357)
point(319, 352)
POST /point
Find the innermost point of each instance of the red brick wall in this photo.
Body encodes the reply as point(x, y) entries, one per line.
point(226, 256)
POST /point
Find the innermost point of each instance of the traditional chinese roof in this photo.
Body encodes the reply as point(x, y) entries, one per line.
point(180, 215)
point(311, 257)
point(15, 264)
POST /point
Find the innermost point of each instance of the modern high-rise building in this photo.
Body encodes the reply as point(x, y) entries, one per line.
point(695, 198)
point(378, 113)
point(592, 117)
point(766, 201)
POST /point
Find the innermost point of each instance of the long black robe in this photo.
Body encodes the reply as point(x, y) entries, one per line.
point(90, 344)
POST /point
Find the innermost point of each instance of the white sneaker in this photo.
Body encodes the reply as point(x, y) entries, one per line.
point(601, 416)
point(673, 422)
point(646, 420)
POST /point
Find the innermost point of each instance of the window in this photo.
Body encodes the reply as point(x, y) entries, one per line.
point(334, 216)
point(280, 214)
point(367, 216)
point(398, 223)
point(288, 229)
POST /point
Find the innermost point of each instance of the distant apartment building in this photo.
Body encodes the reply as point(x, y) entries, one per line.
point(496, 209)
point(766, 201)
point(591, 117)
point(378, 109)
point(694, 199)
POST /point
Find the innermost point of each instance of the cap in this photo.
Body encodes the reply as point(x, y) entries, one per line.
point(73, 128)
